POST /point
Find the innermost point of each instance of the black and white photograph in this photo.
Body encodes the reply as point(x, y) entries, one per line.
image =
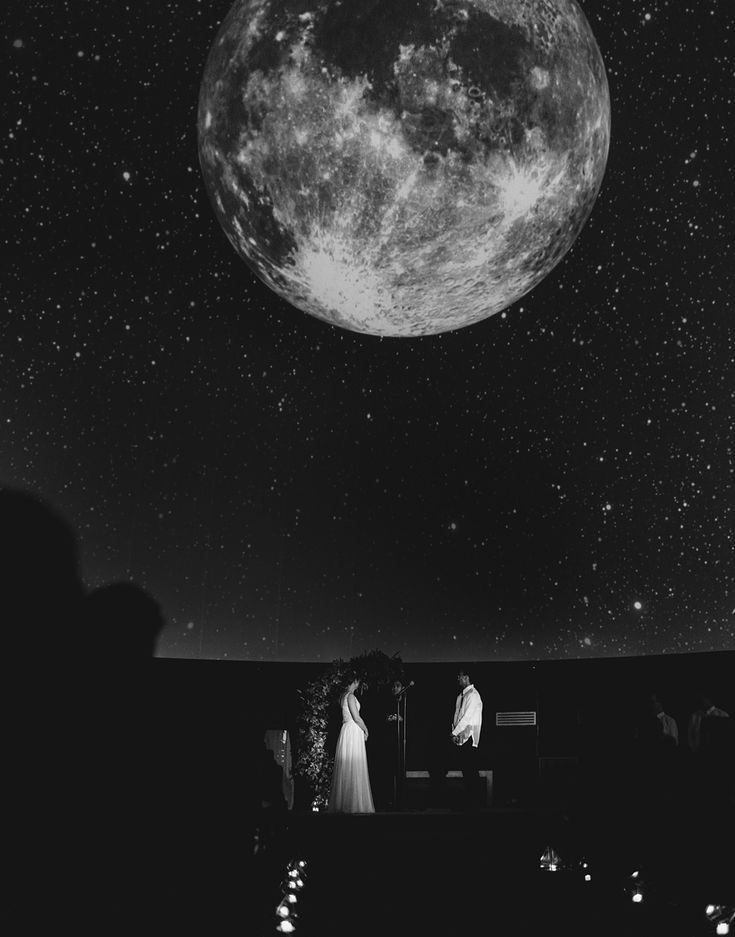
point(367, 378)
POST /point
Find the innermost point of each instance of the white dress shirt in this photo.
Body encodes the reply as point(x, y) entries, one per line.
point(669, 726)
point(468, 715)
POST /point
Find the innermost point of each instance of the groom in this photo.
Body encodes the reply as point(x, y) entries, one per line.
point(466, 728)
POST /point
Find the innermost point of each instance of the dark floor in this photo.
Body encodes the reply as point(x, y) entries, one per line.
point(453, 873)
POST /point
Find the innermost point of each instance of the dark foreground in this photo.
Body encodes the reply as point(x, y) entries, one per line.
point(460, 873)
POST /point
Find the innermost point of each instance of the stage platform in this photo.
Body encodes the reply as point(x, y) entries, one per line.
point(457, 873)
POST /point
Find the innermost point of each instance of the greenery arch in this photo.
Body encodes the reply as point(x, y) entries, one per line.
point(314, 757)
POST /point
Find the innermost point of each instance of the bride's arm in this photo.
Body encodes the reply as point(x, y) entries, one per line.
point(355, 714)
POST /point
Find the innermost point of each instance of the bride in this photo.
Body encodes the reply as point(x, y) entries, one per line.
point(350, 792)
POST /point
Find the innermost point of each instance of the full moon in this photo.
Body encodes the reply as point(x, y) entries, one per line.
point(403, 169)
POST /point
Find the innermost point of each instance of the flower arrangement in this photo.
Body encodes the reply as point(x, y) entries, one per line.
point(318, 701)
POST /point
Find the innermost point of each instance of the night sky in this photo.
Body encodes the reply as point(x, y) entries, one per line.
point(554, 482)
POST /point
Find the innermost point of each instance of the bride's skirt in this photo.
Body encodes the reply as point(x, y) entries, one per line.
point(350, 792)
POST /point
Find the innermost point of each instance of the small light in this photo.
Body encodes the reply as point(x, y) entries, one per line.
point(302, 864)
point(637, 896)
point(588, 877)
point(635, 875)
point(290, 898)
point(709, 910)
point(550, 860)
point(283, 910)
point(722, 928)
point(285, 927)
point(637, 606)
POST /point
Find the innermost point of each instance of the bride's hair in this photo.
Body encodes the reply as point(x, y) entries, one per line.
point(348, 679)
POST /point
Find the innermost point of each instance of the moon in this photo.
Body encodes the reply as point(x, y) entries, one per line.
point(403, 169)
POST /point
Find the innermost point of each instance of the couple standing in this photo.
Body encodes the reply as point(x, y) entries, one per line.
point(350, 791)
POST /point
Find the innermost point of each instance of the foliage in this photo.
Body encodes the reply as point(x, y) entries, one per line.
point(318, 701)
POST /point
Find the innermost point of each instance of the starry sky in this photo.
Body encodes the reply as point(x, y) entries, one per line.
point(554, 482)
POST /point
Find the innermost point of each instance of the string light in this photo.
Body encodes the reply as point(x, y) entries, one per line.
point(292, 883)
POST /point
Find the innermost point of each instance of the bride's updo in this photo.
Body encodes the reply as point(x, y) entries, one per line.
point(347, 682)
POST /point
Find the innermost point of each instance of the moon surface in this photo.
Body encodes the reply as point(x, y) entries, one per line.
point(403, 169)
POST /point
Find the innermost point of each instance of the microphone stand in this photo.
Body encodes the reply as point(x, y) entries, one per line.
point(397, 753)
point(399, 777)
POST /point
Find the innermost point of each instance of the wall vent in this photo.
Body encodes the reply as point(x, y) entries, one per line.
point(515, 719)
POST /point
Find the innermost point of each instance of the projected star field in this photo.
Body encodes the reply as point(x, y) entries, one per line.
point(552, 482)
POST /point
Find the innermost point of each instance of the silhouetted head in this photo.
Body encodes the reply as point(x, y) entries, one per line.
point(123, 621)
point(40, 585)
point(655, 704)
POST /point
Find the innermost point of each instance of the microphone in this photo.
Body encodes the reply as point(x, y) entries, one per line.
point(399, 695)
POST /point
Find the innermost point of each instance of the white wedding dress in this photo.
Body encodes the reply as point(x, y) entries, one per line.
point(350, 792)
